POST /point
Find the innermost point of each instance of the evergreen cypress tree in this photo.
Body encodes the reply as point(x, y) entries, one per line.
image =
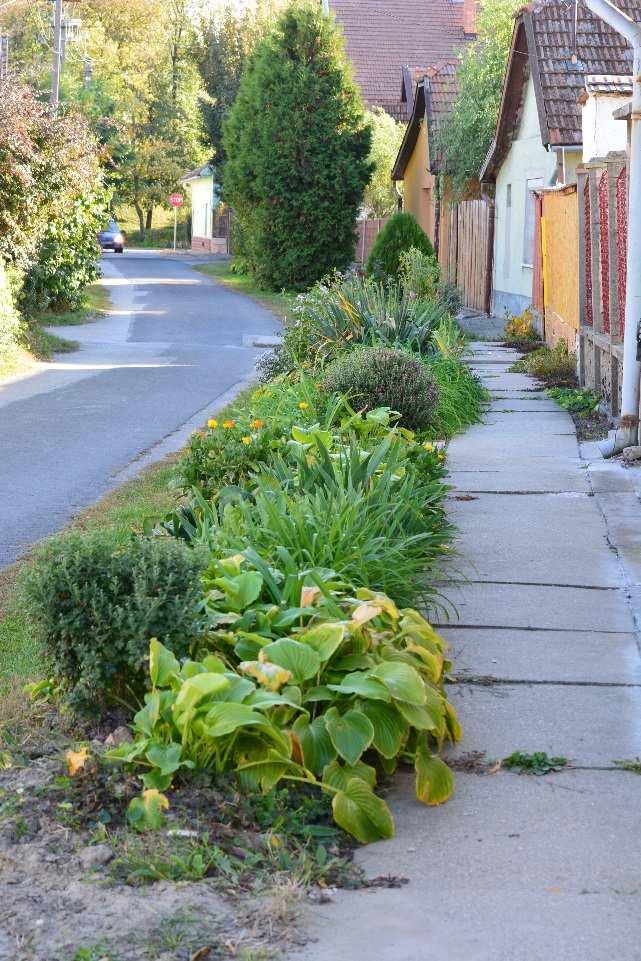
point(297, 145)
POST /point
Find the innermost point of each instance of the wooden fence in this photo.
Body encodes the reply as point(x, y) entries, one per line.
point(366, 233)
point(469, 251)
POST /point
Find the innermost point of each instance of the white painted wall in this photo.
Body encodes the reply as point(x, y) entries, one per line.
point(201, 197)
point(601, 132)
point(526, 160)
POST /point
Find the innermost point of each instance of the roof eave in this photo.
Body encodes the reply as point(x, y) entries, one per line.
point(411, 134)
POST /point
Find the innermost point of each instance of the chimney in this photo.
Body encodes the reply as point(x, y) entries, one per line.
point(469, 17)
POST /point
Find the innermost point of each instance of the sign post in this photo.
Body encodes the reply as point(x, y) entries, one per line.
point(176, 201)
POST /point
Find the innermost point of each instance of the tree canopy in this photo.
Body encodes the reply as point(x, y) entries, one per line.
point(466, 137)
point(380, 197)
point(298, 152)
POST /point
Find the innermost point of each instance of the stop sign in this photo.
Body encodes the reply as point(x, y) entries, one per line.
point(176, 200)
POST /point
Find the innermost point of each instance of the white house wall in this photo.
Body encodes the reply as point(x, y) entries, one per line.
point(601, 131)
point(526, 160)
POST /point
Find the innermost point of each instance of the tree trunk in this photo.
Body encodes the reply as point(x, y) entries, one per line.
point(141, 219)
point(149, 218)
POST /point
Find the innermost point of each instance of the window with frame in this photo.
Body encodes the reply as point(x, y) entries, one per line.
point(531, 184)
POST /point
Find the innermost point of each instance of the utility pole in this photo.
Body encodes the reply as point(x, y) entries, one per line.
point(627, 433)
point(57, 52)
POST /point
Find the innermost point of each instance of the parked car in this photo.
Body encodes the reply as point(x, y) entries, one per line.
point(111, 238)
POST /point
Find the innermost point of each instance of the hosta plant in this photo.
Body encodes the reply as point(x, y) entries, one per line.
point(331, 703)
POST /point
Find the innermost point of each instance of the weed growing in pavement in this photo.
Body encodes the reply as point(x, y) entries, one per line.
point(537, 763)
point(555, 367)
point(627, 764)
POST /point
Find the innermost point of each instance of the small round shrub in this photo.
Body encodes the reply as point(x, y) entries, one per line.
point(400, 234)
point(383, 377)
point(95, 604)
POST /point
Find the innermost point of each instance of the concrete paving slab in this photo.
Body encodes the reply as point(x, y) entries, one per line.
point(499, 382)
point(542, 538)
point(564, 475)
point(520, 401)
point(611, 477)
point(590, 725)
point(571, 657)
point(494, 876)
point(541, 607)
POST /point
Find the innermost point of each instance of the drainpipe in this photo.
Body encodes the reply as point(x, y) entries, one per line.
point(628, 431)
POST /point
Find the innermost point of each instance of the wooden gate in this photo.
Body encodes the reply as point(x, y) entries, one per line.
point(470, 246)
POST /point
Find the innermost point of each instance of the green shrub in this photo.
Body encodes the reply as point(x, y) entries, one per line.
point(9, 321)
point(575, 399)
point(68, 256)
point(381, 377)
point(96, 605)
point(419, 273)
point(555, 367)
point(297, 145)
point(449, 297)
point(400, 234)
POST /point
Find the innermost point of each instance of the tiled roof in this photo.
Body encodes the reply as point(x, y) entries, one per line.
point(433, 99)
point(382, 36)
point(559, 58)
point(603, 83)
point(598, 49)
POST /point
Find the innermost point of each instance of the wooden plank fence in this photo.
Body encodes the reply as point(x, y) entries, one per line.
point(469, 254)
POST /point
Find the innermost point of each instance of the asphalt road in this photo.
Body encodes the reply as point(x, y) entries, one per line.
point(169, 352)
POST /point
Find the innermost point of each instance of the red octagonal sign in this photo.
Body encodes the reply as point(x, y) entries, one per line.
point(176, 200)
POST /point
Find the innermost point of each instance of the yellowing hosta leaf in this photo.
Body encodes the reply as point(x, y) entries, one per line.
point(339, 775)
point(364, 613)
point(454, 728)
point(324, 638)
point(146, 813)
point(359, 812)
point(433, 662)
point(268, 675)
point(434, 779)
point(380, 600)
point(76, 760)
point(308, 595)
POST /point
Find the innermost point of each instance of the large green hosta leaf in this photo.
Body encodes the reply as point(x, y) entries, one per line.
point(324, 638)
point(302, 661)
point(402, 681)
point(339, 775)
point(389, 727)
point(359, 812)
point(363, 684)
point(434, 779)
point(351, 733)
point(162, 664)
point(315, 743)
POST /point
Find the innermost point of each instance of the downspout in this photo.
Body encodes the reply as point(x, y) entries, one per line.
point(626, 434)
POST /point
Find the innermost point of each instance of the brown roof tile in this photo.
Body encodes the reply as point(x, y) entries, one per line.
point(382, 37)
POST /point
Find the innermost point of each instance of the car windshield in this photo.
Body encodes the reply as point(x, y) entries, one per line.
point(112, 227)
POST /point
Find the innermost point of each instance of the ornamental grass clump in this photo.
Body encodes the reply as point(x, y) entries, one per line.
point(382, 377)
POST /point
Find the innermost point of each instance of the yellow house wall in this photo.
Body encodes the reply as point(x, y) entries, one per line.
point(560, 242)
point(418, 185)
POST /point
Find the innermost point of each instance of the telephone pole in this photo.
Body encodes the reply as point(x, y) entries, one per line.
point(57, 52)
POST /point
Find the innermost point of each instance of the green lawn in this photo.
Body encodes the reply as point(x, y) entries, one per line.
point(281, 304)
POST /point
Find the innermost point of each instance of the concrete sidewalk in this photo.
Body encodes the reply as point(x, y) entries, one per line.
point(546, 658)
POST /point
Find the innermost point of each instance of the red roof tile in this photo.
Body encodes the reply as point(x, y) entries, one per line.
point(382, 37)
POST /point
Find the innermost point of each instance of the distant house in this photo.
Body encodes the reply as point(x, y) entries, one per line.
point(205, 201)
point(382, 38)
point(417, 164)
point(539, 140)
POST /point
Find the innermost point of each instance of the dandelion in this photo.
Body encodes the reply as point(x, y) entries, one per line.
point(303, 405)
point(428, 447)
point(228, 424)
point(257, 424)
point(212, 423)
point(441, 455)
point(246, 440)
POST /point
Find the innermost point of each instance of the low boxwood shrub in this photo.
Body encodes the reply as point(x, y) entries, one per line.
point(400, 234)
point(96, 603)
point(383, 377)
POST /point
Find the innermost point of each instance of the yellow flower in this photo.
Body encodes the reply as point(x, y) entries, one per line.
point(246, 440)
point(429, 447)
point(213, 423)
point(303, 405)
point(228, 424)
point(441, 455)
point(257, 424)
